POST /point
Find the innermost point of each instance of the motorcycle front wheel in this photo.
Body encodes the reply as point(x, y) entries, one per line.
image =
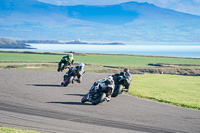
point(100, 99)
point(66, 83)
point(84, 99)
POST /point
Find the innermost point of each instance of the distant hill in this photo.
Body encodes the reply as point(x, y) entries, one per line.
point(125, 22)
point(10, 43)
point(78, 41)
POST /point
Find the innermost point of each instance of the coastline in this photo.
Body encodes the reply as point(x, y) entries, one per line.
point(146, 50)
point(142, 49)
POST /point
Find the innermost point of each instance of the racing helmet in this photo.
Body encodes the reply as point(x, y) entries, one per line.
point(81, 65)
point(126, 70)
point(109, 77)
point(70, 55)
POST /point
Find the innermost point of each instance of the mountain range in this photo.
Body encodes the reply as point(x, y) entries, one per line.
point(125, 22)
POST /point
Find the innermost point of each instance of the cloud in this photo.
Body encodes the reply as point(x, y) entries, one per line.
point(186, 6)
point(197, 1)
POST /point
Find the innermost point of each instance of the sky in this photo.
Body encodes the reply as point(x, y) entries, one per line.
point(186, 6)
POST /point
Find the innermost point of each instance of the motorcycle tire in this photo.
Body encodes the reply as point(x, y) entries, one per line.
point(59, 66)
point(118, 90)
point(100, 99)
point(83, 100)
point(68, 81)
point(62, 68)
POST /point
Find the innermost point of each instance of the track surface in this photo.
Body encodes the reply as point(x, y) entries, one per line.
point(34, 100)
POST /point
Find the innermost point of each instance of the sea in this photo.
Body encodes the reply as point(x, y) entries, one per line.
point(189, 50)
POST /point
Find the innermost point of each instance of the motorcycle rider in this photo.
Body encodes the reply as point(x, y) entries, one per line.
point(106, 85)
point(78, 71)
point(66, 60)
point(127, 76)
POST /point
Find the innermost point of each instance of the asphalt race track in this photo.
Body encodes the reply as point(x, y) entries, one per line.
point(35, 100)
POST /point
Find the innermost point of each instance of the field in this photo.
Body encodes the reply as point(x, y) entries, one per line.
point(97, 59)
point(171, 87)
point(104, 62)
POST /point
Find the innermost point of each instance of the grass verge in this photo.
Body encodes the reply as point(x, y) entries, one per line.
point(183, 91)
point(15, 130)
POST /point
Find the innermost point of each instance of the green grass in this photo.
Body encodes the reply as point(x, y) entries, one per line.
point(26, 57)
point(14, 130)
point(98, 59)
point(126, 60)
point(181, 91)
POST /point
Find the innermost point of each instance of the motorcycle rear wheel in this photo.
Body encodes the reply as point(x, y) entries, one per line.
point(118, 90)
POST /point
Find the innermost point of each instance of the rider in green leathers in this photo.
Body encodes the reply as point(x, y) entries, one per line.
point(67, 61)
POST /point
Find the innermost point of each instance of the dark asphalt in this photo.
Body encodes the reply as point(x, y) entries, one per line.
point(35, 100)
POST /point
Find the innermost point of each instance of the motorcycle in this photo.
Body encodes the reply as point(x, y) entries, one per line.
point(63, 64)
point(96, 95)
point(69, 77)
point(119, 84)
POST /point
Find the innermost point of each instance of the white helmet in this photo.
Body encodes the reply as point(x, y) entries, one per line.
point(109, 77)
point(82, 65)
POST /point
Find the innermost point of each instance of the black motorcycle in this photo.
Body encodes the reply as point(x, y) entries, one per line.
point(119, 84)
point(69, 77)
point(96, 95)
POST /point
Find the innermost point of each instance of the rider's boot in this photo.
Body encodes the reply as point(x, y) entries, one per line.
point(108, 98)
point(126, 90)
point(78, 80)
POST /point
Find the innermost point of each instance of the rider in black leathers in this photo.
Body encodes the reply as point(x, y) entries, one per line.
point(78, 71)
point(127, 76)
point(106, 85)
